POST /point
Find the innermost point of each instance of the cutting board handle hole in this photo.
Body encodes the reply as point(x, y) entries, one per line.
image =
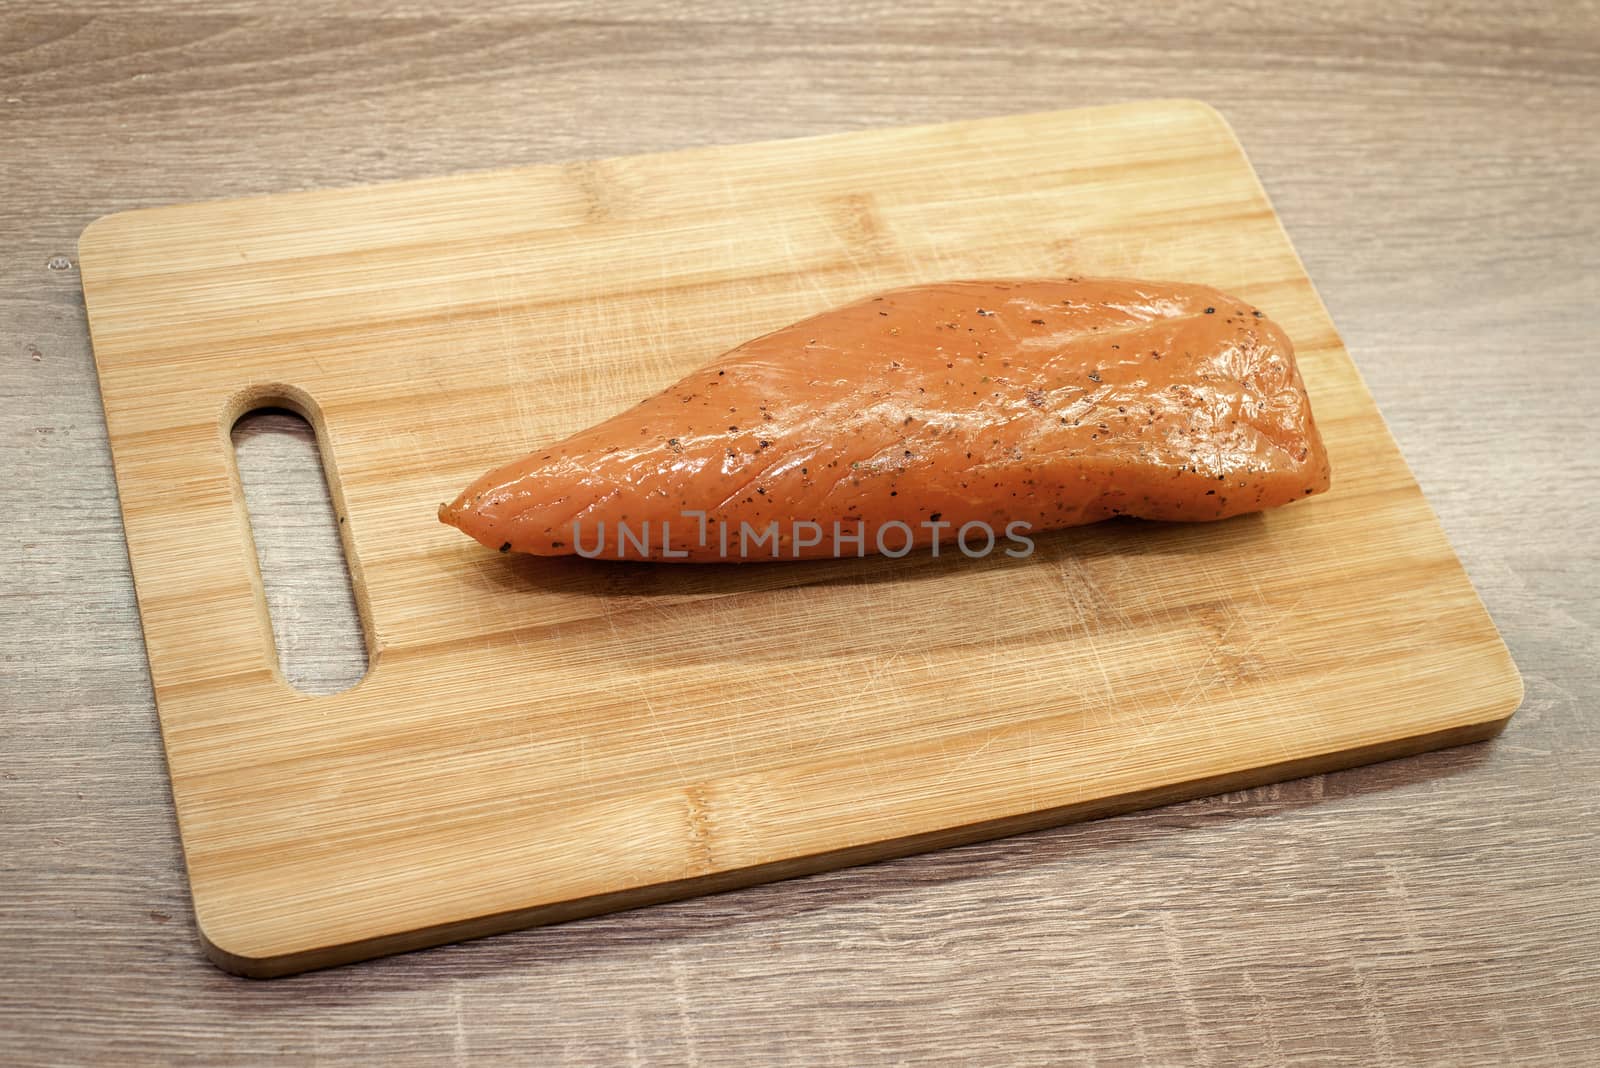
point(300, 549)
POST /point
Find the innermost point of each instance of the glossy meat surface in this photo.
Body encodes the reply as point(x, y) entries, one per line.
point(1045, 403)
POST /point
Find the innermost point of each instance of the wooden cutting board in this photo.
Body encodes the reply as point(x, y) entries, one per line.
point(538, 740)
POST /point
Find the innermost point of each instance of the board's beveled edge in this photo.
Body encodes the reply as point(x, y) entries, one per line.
point(271, 967)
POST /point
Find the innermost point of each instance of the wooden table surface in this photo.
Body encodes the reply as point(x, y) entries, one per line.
point(1438, 167)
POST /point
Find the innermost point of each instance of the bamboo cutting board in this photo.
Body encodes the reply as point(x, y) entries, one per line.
point(538, 740)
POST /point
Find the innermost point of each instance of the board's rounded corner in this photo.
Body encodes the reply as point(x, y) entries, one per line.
point(1508, 693)
point(235, 961)
point(1206, 111)
point(96, 233)
point(240, 964)
point(1505, 689)
point(1511, 704)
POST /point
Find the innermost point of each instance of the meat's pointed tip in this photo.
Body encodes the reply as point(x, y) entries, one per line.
point(465, 517)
